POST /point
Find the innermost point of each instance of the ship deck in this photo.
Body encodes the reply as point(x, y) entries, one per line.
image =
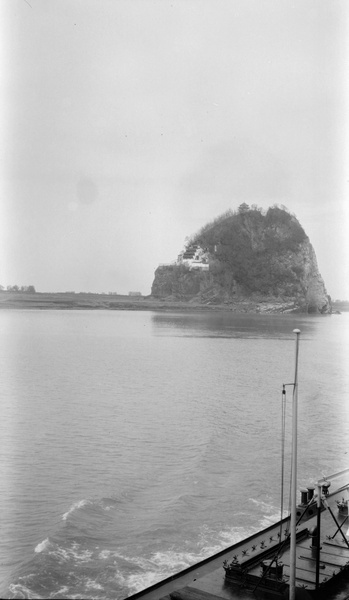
point(207, 581)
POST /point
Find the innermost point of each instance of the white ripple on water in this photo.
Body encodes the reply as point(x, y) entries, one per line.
point(42, 546)
point(104, 554)
point(163, 564)
point(160, 566)
point(21, 591)
point(262, 504)
point(147, 571)
point(64, 554)
point(75, 553)
point(136, 582)
point(272, 513)
point(139, 581)
point(94, 585)
point(61, 592)
point(74, 507)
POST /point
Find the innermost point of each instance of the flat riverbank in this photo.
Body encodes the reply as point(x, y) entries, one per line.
point(87, 301)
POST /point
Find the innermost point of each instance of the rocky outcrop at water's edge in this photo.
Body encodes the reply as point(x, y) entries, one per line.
point(249, 261)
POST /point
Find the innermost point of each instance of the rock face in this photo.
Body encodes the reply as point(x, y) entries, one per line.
point(250, 260)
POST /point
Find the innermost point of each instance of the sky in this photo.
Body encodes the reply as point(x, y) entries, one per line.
point(127, 125)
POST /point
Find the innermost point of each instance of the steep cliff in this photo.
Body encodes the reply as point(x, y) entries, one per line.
point(251, 260)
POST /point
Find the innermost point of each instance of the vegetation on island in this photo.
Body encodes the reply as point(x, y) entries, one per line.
point(248, 257)
point(244, 245)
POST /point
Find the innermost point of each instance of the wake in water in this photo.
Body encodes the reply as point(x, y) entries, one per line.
point(82, 559)
point(271, 513)
point(75, 506)
point(42, 546)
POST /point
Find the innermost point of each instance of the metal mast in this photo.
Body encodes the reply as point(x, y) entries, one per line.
point(292, 595)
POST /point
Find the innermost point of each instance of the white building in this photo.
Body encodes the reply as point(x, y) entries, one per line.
point(195, 258)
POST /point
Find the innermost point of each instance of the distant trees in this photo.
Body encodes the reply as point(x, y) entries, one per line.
point(16, 288)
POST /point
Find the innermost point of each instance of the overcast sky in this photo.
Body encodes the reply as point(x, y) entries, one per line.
point(129, 124)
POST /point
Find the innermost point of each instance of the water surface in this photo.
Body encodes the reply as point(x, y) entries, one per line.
point(134, 444)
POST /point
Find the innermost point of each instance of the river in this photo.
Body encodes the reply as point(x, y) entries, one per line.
point(134, 444)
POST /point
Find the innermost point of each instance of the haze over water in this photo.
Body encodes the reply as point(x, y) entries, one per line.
point(136, 443)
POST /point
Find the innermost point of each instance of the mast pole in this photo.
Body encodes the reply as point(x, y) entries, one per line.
point(318, 525)
point(292, 594)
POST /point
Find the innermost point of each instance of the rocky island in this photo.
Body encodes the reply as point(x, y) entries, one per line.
point(249, 260)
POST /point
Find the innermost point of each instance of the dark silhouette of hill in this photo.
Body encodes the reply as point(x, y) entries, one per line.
point(262, 259)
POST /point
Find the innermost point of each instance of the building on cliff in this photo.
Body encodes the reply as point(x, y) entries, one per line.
point(195, 258)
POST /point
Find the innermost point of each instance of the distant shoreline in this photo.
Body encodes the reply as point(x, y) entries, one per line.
point(87, 301)
point(90, 301)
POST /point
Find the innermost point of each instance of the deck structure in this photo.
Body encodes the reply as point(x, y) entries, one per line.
point(259, 566)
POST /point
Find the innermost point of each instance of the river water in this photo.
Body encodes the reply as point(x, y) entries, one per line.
point(134, 444)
